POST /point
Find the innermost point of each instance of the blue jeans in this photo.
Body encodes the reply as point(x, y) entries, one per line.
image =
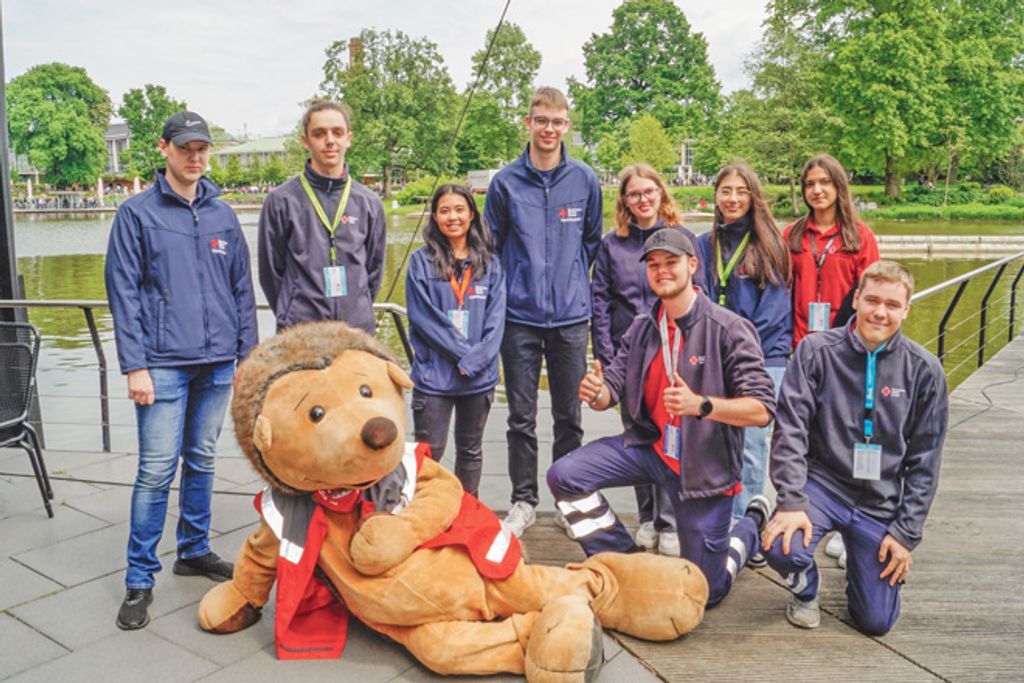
point(185, 420)
point(873, 603)
point(755, 454)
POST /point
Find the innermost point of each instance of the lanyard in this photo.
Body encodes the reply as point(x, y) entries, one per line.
point(869, 395)
point(331, 227)
point(819, 261)
point(724, 273)
point(460, 288)
point(669, 357)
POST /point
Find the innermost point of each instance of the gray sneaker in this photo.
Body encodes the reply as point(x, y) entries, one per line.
point(668, 543)
point(835, 546)
point(520, 517)
point(647, 536)
point(804, 614)
point(562, 522)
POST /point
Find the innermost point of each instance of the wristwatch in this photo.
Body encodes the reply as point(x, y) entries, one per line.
point(705, 406)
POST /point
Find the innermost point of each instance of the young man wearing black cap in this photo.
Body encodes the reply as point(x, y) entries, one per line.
point(322, 234)
point(180, 290)
point(701, 381)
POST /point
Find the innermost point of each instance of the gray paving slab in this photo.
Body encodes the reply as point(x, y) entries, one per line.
point(33, 529)
point(182, 628)
point(128, 656)
point(20, 584)
point(22, 647)
point(112, 504)
point(20, 494)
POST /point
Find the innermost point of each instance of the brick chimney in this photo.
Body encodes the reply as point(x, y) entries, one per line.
point(355, 51)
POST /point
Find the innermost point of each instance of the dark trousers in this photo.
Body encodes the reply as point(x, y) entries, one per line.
point(702, 523)
point(431, 416)
point(873, 603)
point(564, 349)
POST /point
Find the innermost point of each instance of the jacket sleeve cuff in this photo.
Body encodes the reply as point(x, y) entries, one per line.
point(792, 502)
point(908, 541)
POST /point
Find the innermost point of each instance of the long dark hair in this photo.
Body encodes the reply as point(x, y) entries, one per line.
point(846, 212)
point(765, 257)
point(478, 238)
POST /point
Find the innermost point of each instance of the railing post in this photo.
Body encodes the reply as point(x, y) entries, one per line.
point(102, 360)
point(403, 335)
point(984, 313)
point(1013, 303)
point(945, 320)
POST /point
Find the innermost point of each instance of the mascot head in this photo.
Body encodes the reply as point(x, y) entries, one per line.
point(320, 406)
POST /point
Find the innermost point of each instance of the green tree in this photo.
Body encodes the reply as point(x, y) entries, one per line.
point(612, 147)
point(274, 173)
point(216, 172)
point(57, 116)
point(649, 62)
point(145, 110)
point(233, 173)
point(488, 138)
point(648, 143)
point(402, 98)
point(510, 70)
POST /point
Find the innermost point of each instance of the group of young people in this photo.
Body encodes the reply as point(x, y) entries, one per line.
point(702, 340)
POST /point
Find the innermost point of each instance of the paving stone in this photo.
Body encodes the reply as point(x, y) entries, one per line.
point(21, 584)
point(112, 504)
point(27, 530)
point(182, 628)
point(127, 656)
point(22, 647)
point(21, 495)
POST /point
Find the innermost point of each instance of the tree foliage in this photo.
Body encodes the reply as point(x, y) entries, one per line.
point(510, 69)
point(57, 116)
point(145, 110)
point(488, 138)
point(649, 62)
point(402, 99)
point(649, 144)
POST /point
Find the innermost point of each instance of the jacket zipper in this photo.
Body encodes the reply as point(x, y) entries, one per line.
point(202, 283)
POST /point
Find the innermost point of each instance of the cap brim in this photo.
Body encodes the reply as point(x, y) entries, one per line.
point(182, 139)
point(664, 247)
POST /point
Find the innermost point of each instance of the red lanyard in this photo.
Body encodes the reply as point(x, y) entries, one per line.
point(461, 288)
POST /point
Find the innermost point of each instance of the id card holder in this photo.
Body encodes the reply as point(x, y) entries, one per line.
point(673, 441)
point(867, 461)
point(335, 283)
point(460, 318)
point(818, 316)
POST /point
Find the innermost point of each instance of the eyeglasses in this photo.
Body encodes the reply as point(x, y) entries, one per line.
point(543, 122)
point(730, 193)
point(648, 194)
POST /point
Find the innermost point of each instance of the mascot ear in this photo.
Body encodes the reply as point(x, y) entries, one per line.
point(398, 376)
point(262, 436)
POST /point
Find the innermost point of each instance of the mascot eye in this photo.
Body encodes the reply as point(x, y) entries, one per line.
point(316, 413)
point(365, 391)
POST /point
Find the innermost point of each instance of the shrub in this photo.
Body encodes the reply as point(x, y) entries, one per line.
point(999, 194)
point(415, 191)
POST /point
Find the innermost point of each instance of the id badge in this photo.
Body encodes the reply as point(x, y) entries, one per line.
point(460, 318)
point(335, 283)
point(673, 441)
point(867, 461)
point(818, 316)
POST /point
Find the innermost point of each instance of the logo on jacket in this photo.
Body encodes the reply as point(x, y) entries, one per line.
point(893, 391)
point(349, 219)
point(571, 214)
point(219, 247)
point(478, 292)
point(697, 360)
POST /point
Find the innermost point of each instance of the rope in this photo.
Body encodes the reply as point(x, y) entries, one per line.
point(448, 152)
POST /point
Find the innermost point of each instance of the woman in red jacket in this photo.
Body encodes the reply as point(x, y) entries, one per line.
point(830, 249)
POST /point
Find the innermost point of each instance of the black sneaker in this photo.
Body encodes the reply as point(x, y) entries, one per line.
point(759, 510)
point(209, 565)
point(133, 613)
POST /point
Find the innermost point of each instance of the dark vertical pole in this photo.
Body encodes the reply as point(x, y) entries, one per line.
point(8, 268)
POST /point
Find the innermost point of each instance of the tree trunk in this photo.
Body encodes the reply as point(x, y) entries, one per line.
point(793, 195)
point(954, 166)
point(892, 177)
point(386, 170)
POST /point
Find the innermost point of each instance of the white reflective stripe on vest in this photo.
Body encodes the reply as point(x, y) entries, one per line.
point(584, 505)
point(499, 547)
point(409, 487)
point(272, 516)
point(585, 527)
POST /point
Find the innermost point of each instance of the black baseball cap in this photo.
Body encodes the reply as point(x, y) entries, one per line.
point(184, 127)
point(670, 240)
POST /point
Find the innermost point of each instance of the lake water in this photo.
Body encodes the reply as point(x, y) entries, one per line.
point(62, 258)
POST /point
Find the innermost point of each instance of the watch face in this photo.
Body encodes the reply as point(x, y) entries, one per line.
point(706, 407)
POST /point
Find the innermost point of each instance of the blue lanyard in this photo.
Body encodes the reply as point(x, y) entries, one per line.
point(869, 394)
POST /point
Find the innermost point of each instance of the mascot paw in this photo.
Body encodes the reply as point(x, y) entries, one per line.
point(566, 643)
point(225, 610)
point(382, 542)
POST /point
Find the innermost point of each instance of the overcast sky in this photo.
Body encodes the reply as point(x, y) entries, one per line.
point(247, 64)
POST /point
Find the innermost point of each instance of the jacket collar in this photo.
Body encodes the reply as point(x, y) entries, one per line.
point(894, 342)
point(205, 189)
point(322, 182)
point(636, 231)
point(696, 312)
point(529, 164)
point(734, 231)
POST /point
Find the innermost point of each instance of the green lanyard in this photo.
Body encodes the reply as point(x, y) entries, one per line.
point(331, 227)
point(724, 273)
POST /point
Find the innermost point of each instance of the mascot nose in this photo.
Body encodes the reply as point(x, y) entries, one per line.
point(379, 433)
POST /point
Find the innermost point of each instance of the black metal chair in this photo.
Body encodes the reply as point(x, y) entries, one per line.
point(19, 352)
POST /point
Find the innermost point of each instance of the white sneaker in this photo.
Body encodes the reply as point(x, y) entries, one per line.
point(520, 517)
point(841, 560)
point(561, 521)
point(804, 614)
point(646, 536)
point(835, 546)
point(668, 543)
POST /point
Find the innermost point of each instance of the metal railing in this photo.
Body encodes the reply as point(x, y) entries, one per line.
point(397, 313)
point(960, 282)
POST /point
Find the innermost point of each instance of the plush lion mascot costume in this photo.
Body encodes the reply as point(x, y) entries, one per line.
point(355, 521)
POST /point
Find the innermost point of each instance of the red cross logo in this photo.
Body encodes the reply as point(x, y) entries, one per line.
point(886, 391)
point(563, 213)
point(693, 360)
